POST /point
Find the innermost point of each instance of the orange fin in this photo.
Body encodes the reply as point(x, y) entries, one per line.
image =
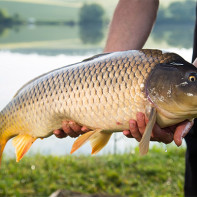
point(97, 138)
point(81, 140)
point(22, 143)
point(2, 146)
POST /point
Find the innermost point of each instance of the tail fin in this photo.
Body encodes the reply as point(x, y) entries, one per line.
point(2, 146)
point(97, 138)
point(3, 137)
point(22, 142)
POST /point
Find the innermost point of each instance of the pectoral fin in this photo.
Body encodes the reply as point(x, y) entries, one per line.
point(144, 143)
point(97, 138)
point(81, 140)
point(22, 143)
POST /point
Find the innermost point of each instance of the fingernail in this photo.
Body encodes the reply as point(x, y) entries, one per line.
point(56, 132)
point(71, 122)
point(84, 128)
point(132, 125)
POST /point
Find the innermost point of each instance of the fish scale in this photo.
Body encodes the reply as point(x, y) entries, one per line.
point(103, 92)
point(48, 84)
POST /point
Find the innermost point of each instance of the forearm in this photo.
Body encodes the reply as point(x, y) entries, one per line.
point(131, 24)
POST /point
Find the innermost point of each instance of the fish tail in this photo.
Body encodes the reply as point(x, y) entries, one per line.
point(4, 137)
point(2, 146)
point(21, 142)
point(97, 138)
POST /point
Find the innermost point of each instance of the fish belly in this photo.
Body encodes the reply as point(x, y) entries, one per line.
point(103, 92)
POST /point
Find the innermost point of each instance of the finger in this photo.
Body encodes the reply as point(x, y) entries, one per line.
point(134, 131)
point(195, 62)
point(162, 135)
point(84, 129)
point(127, 133)
point(75, 127)
point(59, 133)
point(141, 122)
point(68, 130)
point(181, 131)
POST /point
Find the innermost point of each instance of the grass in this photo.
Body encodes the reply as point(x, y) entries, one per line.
point(159, 173)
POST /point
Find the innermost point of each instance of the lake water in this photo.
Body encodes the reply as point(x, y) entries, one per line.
point(23, 59)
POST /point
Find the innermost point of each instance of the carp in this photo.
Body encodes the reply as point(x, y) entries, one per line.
point(102, 93)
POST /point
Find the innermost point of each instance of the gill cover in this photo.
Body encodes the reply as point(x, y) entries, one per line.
point(172, 88)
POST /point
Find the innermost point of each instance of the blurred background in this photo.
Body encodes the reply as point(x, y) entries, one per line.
point(40, 35)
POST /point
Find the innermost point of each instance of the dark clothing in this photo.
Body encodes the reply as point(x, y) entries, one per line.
point(195, 40)
point(191, 163)
point(191, 140)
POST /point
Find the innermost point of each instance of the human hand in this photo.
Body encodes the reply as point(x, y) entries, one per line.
point(165, 135)
point(70, 128)
point(195, 62)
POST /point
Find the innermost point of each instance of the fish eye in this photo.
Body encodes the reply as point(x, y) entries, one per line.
point(192, 78)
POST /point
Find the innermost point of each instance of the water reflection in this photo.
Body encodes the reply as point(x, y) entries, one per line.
point(91, 33)
point(180, 36)
point(65, 38)
point(3, 30)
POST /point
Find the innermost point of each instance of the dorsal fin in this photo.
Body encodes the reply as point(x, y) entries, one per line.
point(18, 91)
point(40, 76)
point(68, 66)
point(95, 56)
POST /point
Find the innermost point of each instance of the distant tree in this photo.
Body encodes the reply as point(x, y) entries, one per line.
point(91, 13)
point(174, 35)
point(4, 18)
point(91, 33)
point(161, 16)
point(182, 11)
point(177, 12)
point(2, 15)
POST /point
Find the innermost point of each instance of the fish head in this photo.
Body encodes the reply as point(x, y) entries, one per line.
point(172, 89)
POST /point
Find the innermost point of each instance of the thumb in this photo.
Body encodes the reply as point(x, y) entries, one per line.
point(181, 131)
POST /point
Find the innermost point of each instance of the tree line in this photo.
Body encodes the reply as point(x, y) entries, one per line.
point(175, 13)
point(178, 13)
point(92, 19)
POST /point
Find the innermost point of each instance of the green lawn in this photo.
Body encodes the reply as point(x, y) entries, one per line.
point(158, 174)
